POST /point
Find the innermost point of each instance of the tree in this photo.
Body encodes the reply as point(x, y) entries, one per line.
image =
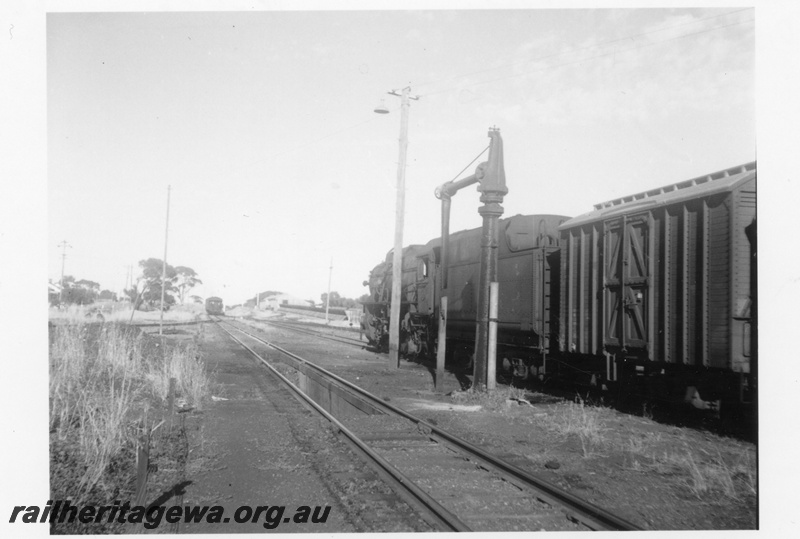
point(196, 299)
point(131, 293)
point(74, 292)
point(108, 294)
point(152, 268)
point(336, 299)
point(186, 279)
point(88, 285)
point(152, 295)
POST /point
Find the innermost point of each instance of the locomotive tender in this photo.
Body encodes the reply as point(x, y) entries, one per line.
point(651, 294)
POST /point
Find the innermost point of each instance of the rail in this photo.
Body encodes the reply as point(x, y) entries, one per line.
point(588, 514)
point(420, 499)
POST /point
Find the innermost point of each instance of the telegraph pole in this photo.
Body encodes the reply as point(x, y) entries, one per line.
point(164, 267)
point(397, 255)
point(328, 297)
point(63, 246)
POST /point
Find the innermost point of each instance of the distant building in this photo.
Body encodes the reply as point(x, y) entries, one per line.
point(287, 300)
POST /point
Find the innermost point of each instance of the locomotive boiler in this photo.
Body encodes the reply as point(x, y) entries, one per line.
point(528, 258)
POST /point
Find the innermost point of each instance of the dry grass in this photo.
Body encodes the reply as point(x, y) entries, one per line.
point(696, 468)
point(121, 312)
point(577, 420)
point(702, 473)
point(581, 421)
point(103, 380)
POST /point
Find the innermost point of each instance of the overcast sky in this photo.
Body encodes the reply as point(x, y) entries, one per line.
point(263, 125)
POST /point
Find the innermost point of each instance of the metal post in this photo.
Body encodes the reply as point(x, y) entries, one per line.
point(164, 267)
point(171, 402)
point(491, 371)
point(445, 251)
point(397, 259)
point(493, 189)
point(441, 346)
point(488, 274)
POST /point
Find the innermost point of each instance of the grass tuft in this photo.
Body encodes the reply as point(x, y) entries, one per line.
point(701, 473)
point(104, 378)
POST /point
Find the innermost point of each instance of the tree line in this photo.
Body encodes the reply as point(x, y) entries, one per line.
point(145, 293)
point(345, 303)
point(79, 292)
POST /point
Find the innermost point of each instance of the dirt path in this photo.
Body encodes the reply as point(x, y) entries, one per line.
point(252, 450)
point(261, 447)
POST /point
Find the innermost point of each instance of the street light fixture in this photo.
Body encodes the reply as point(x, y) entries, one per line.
point(397, 258)
point(381, 108)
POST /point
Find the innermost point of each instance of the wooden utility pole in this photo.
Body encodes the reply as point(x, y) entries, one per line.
point(328, 297)
point(397, 258)
point(164, 267)
point(63, 246)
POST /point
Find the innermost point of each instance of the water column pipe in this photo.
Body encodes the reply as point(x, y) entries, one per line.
point(493, 189)
point(491, 177)
point(444, 193)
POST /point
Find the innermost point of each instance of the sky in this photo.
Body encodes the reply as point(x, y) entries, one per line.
point(280, 174)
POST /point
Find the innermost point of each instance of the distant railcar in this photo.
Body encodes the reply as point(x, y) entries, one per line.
point(214, 306)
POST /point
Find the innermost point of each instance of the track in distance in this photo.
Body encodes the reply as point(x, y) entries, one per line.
point(316, 333)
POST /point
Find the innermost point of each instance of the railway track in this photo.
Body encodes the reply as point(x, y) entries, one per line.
point(316, 333)
point(454, 485)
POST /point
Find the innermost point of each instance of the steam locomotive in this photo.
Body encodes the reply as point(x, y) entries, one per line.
point(651, 294)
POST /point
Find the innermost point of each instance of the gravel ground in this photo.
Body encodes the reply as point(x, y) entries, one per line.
point(659, 476)
point(257, 445)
